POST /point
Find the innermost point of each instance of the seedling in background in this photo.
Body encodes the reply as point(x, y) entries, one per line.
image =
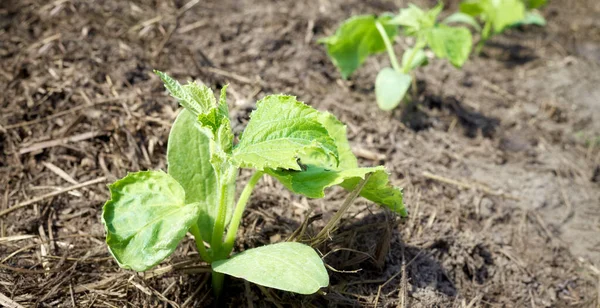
point(365, 35)
point(150, 212)
point(497, 16)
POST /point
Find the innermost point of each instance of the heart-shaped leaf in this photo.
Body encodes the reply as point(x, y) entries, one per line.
point(390, 88)
point(288, 266)
point(146, 218)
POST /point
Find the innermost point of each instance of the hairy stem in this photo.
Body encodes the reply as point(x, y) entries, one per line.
point(219, 228)
point(388, 46)
point(200, 243)
point(238, 213)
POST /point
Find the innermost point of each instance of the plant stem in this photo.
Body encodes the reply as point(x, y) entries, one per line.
point(200, 243)
point(219, 228)
point(388, 46)
point(238, 213)
point(485, 35)
point(217, 283)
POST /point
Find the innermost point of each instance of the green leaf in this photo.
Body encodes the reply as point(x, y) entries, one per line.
point(280, 130)
point(464, 18)
point(531, 18)
point(418, 59)
point(146, 218)
point(471, 7)
point(289, 266)
point(452, 43)
point(189, 162)
point(379, 190)
point(415, 20)
point(390, 88)
point(505, 13)
point(534, 4)
point(337, 131)
point(313, 181)
point(194, 97)
point(355, 40)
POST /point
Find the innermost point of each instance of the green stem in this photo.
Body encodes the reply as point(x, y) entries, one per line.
point(238, 213)
point(388, 46)
point(219, 228)
point(485, 35)
point(200, 243)
point(418, 46)
point(217, 283)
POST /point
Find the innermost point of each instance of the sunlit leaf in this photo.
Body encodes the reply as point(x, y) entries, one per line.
point(390, 88)
point(452, 43)
point(146, 218)
point(289, 266)
point(280, 130)
point(355, 40)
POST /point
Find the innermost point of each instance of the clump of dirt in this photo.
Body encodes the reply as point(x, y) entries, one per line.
point(499, 161)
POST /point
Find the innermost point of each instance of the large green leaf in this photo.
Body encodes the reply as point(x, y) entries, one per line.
point(188, 157)
point(146, 218)
point(379, 190)
point(194, 97)
point(281, 130)
point(318, 174)
point(289, 266)
point(452, 43)
point(390, 88)
point(355, 40)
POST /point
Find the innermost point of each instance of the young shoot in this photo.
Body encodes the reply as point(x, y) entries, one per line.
point(497, 16)
point(361, 36)
point(150, 212)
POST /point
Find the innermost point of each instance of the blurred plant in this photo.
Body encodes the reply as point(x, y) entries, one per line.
point(150, 212)
point(497, 16)
point(364, 35)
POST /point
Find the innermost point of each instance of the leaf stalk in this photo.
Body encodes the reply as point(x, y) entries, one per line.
point(388, 46)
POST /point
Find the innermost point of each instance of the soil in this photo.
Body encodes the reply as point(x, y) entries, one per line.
point(500, 161)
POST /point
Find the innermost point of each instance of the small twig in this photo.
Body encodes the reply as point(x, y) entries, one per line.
point(468, 186)
point(65, 112)
point(269, 296)
point(61, 173)
point(332, 224)
point(52, 194)
point(52, 143)
point(5, 301)
point(200, 286)
point(231, 75)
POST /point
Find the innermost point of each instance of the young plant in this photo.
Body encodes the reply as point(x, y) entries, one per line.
point(150, 212)
point(497, 16)
point(361, 36)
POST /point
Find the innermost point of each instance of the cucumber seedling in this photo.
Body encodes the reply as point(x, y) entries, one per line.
point(497, 16)
point(364, 35)
point(150, 212)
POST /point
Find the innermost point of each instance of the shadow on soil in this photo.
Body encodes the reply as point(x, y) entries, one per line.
point(415, 115)
point(373, 247)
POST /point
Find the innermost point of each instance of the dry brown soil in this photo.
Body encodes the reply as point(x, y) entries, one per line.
point(500, 161)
